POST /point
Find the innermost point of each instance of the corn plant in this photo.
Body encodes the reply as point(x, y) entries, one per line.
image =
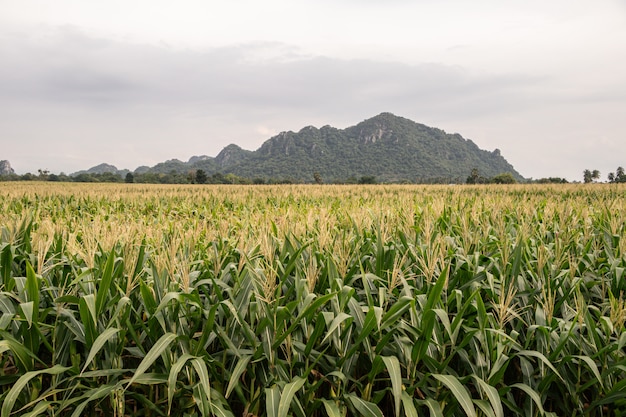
point(312, 300)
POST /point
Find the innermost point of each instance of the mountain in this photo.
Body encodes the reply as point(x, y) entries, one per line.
point(5, 168)
point(387, 147)
point(102, 169)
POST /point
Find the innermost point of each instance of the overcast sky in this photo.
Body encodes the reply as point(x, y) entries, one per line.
point(138, 82)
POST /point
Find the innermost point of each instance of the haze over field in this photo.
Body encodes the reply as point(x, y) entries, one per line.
point(136, 83)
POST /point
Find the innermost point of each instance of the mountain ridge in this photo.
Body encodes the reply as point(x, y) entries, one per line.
point(388, 147)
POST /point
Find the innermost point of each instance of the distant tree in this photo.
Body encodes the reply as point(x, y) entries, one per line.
point(201, 177)
point(504, 178)
point(317, 178)
point(476, 178)
point(551, 180)
point(218, 178)
point(84, 177)
point(587, 176)
point(595, 175)
point(618, 176)
point(107, 177)
point(130, 178)
point(367, 179)
point(473, 176)
point(43, 174)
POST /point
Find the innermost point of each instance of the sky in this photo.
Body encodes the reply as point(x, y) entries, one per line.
point(139, 82)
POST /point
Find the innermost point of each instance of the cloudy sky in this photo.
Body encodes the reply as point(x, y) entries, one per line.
point(137, 82)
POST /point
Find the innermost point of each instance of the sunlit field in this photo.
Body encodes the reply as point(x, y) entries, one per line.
point(306, 300)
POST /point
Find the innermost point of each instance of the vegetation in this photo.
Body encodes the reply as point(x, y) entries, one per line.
point(387, 147)
point(476, 178)
point(590, 176)
point(129, 299)
point(617, 176)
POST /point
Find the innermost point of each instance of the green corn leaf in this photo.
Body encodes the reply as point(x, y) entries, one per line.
point(151, 378)
point(240, 368)
point(340, 318)
point(32, 288)
point(492, 395)
point(156, 351)
point(459, 391)
point(364, 408)
point(308, 312)
point(173, 378)
point(485, 407)
point(28, 310)
point(202, 402)
point(104, 285)
point(148, 298)
point(100, 341)
point(166, 299)
point(592, 366)
point(272, 399)
point(395, 374)
point(428, 317)
point(19, 385)
point(95, 394)
point(543, 359)
point(200, 366)
point(434, 407)
point(315, 335)
point(534, 395)
point(5, 320)
point(40, 408)
point(408, 405)
point(397, 310)
point(287, 395)
point(6, 259)
point(88, 317)
point(219, 405)
point(331, 407)
point(24, 358)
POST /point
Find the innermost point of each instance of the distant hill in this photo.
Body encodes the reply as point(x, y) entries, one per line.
point(387, 147)
point(5, 168)
point(102, 169)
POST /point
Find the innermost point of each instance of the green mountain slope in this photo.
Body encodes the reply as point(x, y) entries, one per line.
point(389, 147)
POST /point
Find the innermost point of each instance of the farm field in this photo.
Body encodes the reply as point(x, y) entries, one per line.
point(303, 300)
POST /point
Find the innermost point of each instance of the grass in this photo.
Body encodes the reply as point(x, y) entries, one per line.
point(312, 300)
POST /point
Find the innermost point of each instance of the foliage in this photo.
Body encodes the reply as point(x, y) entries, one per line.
point(503, 178)
point(618, 176)
point(129, 299)
point(551, 180)
point(590, 176)
point(390, 148)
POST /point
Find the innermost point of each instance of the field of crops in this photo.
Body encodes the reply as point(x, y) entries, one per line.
point(312, 300)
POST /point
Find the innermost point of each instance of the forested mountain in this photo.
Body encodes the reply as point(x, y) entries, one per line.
point(387, 147)
point(102, 169)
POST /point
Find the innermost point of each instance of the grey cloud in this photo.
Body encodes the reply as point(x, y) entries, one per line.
point(74, 67)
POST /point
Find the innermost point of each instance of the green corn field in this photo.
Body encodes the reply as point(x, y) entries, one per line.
point(155, 300)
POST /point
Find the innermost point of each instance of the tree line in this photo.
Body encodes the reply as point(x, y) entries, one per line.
point(201, 177)
point(618, 176)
